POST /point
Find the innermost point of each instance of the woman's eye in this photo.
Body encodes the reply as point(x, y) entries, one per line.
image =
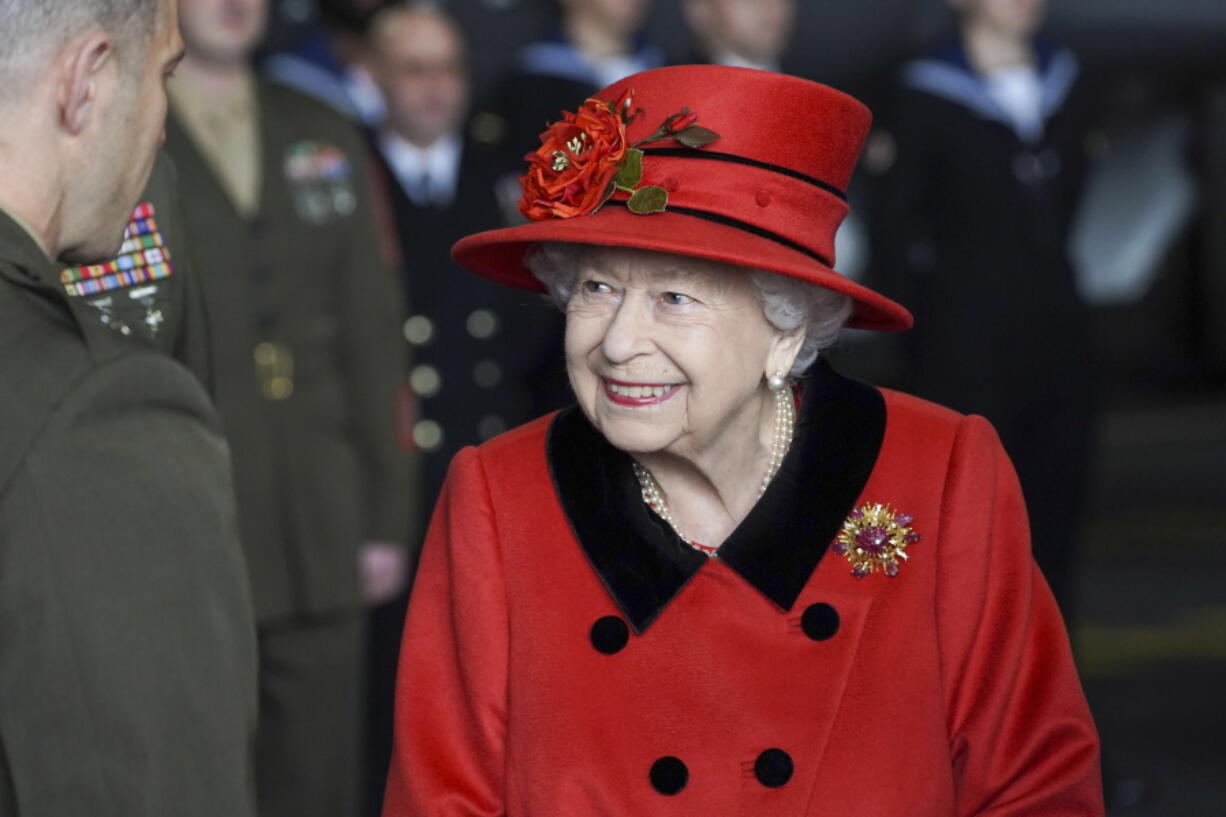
point(596, 287)
point(676, 299)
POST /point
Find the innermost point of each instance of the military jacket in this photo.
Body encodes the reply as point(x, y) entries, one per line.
point(567, 653)
point(306, 355)
point(127, 640)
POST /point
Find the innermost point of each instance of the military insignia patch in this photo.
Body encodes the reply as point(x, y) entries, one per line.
point(143, 261)
point(320, 178)
point(142, 258)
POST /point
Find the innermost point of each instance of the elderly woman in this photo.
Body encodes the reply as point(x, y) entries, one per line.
point(729, 581)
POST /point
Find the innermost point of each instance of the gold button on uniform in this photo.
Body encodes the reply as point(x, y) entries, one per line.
point(425, 380)
point(419, 330)
point(482, 324)
point(428, 435)
point(274, 370)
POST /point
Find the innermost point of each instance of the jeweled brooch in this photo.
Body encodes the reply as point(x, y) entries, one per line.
point(875, 537)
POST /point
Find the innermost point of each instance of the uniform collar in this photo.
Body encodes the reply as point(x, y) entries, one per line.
point(776, 548)
point(23, 251)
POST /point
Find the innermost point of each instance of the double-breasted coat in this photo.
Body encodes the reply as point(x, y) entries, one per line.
point(566, 653)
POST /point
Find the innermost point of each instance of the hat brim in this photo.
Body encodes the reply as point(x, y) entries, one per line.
point(499, 254)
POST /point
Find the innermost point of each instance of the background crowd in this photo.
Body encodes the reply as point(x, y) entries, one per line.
point(1044, 189)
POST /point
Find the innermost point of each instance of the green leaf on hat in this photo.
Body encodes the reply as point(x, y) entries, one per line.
point(630, 171)
point(646, 200)
point(696, 136)
point(608, 194)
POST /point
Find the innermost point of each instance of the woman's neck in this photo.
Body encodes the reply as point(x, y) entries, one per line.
point(713, 485)
point(989, 49)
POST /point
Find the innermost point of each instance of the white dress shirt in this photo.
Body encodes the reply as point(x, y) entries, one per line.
point(428, 175)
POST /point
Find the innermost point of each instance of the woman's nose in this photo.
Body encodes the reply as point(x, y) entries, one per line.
point(629, 332)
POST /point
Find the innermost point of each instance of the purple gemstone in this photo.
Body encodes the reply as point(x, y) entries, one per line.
point(840, 548)
point(873, 539)
point(905, 519)
point(891, 568)
point(856, 514)
point(860, 571)
point(912, 538)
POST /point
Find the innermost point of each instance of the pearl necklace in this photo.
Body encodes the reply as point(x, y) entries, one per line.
point(785, 427)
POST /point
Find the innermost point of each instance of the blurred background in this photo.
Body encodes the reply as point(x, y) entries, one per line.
point(1148, 244)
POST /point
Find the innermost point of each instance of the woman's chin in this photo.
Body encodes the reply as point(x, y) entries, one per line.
point(633, 434)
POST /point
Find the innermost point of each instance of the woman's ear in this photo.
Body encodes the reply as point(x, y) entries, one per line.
point(82, 64)
point(784, 350)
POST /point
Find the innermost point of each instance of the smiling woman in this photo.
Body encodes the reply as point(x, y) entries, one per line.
point(728, 581)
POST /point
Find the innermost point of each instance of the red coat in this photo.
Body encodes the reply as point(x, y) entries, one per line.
point(566, 656)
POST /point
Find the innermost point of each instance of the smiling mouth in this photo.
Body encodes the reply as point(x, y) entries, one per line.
point(638, 394)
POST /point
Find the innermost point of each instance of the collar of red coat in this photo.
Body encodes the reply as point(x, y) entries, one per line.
point(644, 564)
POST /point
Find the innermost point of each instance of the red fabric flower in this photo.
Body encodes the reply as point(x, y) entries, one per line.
point(571, 173)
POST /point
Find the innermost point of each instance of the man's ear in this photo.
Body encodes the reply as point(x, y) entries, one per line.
point(82, 64)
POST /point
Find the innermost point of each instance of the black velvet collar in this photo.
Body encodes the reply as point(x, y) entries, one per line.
point(776, 548)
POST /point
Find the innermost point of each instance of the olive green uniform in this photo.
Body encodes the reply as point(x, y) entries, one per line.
point(306, 356)
point(127, 645)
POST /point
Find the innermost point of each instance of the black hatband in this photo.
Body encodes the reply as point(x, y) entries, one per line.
point(691, 153)
point(728, 221)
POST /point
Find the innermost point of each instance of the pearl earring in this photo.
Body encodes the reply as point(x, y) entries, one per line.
point(776, 381)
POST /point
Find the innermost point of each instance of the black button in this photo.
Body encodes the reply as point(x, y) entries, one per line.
point(610, 634)
point(773, 768)
point(669, 775)
point(820, 621)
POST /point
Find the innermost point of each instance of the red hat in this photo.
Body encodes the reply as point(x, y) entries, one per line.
point(732, 164)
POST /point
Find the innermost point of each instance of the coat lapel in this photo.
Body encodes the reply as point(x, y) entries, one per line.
point(644, 564)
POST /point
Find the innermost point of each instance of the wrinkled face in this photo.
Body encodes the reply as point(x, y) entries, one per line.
point(223, 32)
point(1017, 18)
point(755, 29)
point(418, 62)
point(668, 353)
point(125, 137)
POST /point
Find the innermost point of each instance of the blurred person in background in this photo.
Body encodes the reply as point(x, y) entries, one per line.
point(483, 354)
point(743, 33)
point(127, 643)
point(596, 42)
point(973, 225)
point(328, 60)
point(305, 321)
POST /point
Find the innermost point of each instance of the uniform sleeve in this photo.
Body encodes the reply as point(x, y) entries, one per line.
point(375, 364)
point(451, 690)
point(1021, 736)
point(127, 641)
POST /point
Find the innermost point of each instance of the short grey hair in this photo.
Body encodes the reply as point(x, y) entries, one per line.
point(31, 30)
point(788, 303)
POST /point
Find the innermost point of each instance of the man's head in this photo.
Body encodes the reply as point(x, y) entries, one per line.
point(1009, 18)
point(753, 30)
point(82, 88)
point(222, 33)
point(417, 58)
point(620, 18)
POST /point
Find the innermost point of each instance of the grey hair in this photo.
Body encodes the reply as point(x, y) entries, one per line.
point(788, 303)
point(31, 30)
